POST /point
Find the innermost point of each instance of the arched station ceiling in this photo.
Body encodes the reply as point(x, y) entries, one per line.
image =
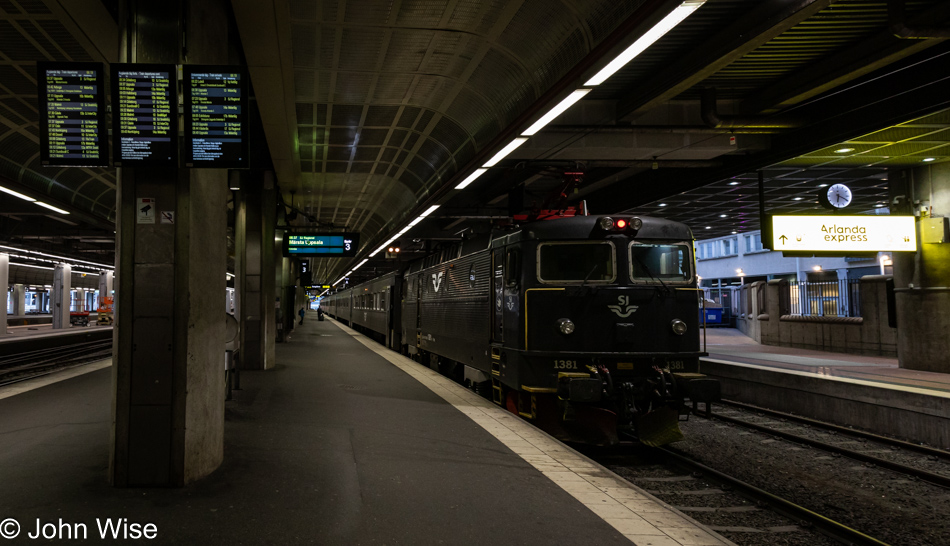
point(374, 110)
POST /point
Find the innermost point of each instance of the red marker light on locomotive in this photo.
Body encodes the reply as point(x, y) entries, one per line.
point(621, 224)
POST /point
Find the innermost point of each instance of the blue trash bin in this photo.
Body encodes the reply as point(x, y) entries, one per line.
point(713, 316)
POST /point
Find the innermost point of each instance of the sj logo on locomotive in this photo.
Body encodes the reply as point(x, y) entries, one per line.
point(623, 309)
point(437, 280)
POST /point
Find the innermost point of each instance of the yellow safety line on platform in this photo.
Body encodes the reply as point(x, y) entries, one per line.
point(633, 512)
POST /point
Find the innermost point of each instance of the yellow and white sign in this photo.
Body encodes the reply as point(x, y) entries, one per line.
point(844, 233)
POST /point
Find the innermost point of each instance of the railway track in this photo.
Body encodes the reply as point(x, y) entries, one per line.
point(741, 512)
point(31, 364)
point(832, 529)
point(779, 422)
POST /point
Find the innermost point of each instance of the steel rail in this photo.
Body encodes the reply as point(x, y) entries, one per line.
point(844, 430)
point(936, 479)
point(827, 526)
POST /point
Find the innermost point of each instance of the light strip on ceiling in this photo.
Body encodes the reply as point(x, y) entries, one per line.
point(429, 211)
point(471, 178)
point(33, 266)
point(556, 111)
point(17, 194)
point(64, 258)
point(665, 25)
point(51, 207)
point(512, 146)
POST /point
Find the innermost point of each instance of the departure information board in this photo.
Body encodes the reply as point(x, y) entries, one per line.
point(216, 129)
point(144, 115)
point(72, 115)
point(325, 245)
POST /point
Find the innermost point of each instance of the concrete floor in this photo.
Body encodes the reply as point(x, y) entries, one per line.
point(729, 344)
point(334, 446)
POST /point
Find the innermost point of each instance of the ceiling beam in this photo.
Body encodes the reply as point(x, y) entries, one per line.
point(759, 26)
point(877, 52)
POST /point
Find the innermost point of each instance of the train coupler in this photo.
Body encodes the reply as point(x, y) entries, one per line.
point(579, 387)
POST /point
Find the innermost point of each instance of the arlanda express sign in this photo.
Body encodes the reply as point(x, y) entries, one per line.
point(844, 233)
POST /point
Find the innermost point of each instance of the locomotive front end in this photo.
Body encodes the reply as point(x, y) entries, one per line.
point(610, 334)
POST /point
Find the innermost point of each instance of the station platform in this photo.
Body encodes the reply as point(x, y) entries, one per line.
point(46, 330)
point(344, 442)
point(872, 393)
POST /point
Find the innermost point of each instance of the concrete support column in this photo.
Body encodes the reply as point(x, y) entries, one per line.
point(19, 299)
point(4, 281)
point(255, 220)
point(60, 296)
point(168, 421)
point(922, 278)
point(106, 282)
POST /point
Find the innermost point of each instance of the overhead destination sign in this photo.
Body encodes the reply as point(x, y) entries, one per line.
point(216, 108)
point(144, 114)
point(327, 245)
point(72, 115)
point(855, 233)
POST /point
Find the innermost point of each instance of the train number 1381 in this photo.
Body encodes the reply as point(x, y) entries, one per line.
point(565, 364)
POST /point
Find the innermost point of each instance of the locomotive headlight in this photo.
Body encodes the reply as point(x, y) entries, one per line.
point(565, 325)
point(606, 223)
point(679, 327)
point(636, 223)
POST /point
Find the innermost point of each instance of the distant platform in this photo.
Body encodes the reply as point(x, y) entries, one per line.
point(30, 338)
point(29, 320)
point(869, 392)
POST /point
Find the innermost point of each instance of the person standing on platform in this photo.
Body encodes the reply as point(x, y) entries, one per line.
point(302, 313)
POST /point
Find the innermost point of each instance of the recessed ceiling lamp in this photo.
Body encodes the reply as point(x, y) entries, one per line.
point(733, 183)
point(734, 232)
point(844, 150)
point(675, 17)
point(797, 198)
point(879, 205)
point(822, 185)
point(723, 215)
point(708, 227)
point(928, 159)
point(662, 205)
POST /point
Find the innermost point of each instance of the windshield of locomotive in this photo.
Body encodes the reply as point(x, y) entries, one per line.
point(660, 263)
point(590, 262)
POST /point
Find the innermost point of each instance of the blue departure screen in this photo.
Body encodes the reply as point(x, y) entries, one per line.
point(324, 244)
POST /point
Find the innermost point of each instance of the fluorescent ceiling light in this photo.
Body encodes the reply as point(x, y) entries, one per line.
point(30, 254)
point(662, 205)
point(512, 146)
point(358, 265)
point(733, 183)
point(416, 221)
point(471, 178)
point(844, 150)
point(338, 280)
point(674, 18)
point(33, 266)
point(51, 207)
point(928, 159)
point(556, 111)
point(16, 194)
point(429, 211)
